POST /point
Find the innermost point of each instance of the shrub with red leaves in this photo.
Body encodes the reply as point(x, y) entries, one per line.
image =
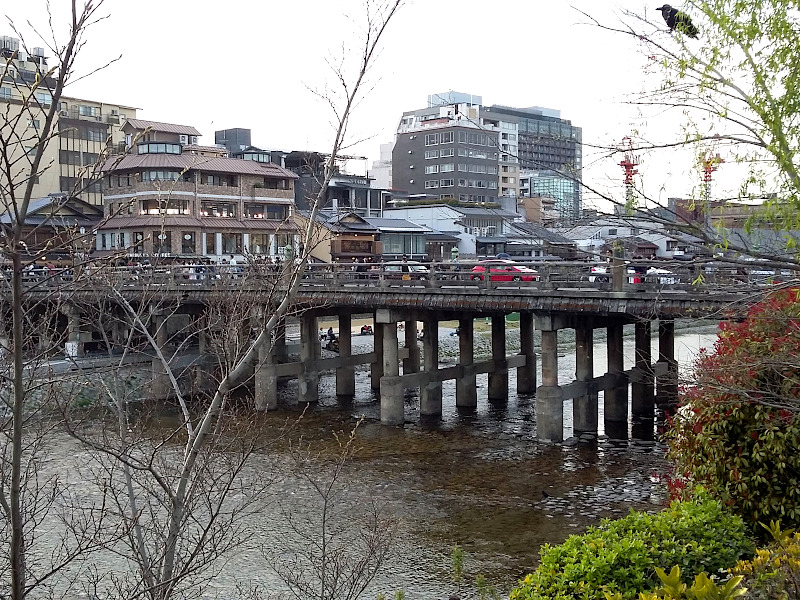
point(737, 431)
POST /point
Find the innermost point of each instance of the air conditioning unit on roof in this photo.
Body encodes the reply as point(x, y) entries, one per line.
point(184, 139)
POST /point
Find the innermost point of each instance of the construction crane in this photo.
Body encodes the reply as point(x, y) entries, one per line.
point(629, 163)
point(710, 164)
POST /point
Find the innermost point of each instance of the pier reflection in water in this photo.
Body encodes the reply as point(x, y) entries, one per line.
point(480, 479)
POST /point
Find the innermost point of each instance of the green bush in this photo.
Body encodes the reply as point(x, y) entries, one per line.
point(621, 556)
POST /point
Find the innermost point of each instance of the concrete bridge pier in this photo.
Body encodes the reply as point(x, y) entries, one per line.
point(549, 403)
point(642, 386)
point(392, 404)
point(345, 376)
point(526, 374)
point(266, 380)
point(667, 384)
point(310, 351)
point(160, 387)
point(498, 376)
point(466, 386)
point(615, 404)
point(430, 402)
point(74, 347)
point(376, 368)
point(411, 363)
point(279, 349)
point(584, 408)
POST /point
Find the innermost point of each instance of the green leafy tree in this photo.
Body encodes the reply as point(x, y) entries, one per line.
point(738, 430)
point(732, 90)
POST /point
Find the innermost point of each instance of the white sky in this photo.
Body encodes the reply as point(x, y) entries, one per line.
point(242, 63)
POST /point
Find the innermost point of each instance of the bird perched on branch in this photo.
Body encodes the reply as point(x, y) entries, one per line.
point(678, 20)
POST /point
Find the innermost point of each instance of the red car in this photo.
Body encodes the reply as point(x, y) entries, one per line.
point(503, 270)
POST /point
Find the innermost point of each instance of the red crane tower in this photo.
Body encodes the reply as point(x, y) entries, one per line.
point(629, 163)
point(710, 164)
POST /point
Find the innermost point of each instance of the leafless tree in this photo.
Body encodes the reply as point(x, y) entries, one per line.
point(337, 543)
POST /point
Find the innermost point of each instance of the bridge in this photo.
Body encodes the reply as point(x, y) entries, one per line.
point(178, 300)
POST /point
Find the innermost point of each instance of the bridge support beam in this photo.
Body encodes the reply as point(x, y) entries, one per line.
point(584, 408)
point(310, 350)
point(392, 405)
point(411, 364)
point(526, 374)
point(615, 405)
point(279, 349)
point(549, 405)
point(498, 377)
point(345, 376)
point(466, 386)
point(642, 393)
point(430, 402)
point(668, 382)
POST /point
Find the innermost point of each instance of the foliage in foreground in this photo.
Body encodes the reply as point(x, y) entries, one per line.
point(621, 556)
point(738, 431)
point(774, 572)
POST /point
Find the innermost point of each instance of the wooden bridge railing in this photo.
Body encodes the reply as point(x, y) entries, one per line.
point(542, 276)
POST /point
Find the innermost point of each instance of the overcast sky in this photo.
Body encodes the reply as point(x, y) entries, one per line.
point(242, 63)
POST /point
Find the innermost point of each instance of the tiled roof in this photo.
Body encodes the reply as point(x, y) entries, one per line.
point(542, 233)
point(165, 127)
point(126, 222)
point(196, 162)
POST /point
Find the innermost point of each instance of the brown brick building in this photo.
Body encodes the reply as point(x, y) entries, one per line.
point(171, 197)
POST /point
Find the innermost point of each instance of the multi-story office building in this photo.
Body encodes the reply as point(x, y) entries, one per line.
point(87, 129)
point(457, 148)
point(553, 184)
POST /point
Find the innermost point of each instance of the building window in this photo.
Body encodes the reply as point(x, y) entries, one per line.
point(154, 206)
point(259, 243)
point(445, 183)
point(211, 242)
point(223, 180)
point(138, 242)
point(88, 111)
point(218, 209)
point(431, 139)
point(431, 169)
point(431, 154)
point(33, 123)
point(446, 137)
point(612, 231)
point(433, 183)
point(123, 180)
point(44, 98)
point(5, 93)
point(446, 152)
point(160, 175)
point(231, 243)
point(187, 242)
point(162, 241)
point(446, 168)
point(153, 148)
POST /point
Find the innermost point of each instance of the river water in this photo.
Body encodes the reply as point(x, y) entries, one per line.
point(480, 479)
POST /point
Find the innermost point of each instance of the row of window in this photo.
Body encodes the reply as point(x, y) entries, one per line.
point(473, 183)
point(231, 243)
point(469, 168)
point(475, 153)
point(224, 180)
point(445, 168)
point(446, 137)
point(476, 139)
point(443, 153)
